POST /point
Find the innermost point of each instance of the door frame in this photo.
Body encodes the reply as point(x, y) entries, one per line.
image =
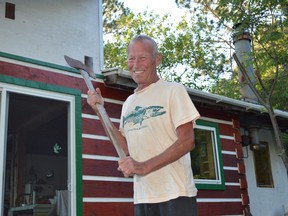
point(73, 98)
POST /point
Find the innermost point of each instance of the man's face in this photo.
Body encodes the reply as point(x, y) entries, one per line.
point(141, 63)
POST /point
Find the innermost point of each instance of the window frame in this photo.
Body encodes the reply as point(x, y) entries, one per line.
point(219, 183)
point(10, 10)
point(258, 160)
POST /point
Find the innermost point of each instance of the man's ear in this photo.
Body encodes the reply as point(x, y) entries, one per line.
point(158, 59)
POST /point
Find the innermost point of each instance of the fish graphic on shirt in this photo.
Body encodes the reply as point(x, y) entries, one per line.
point(140, 114)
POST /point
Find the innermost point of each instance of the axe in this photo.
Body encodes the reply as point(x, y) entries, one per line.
point(86, 71)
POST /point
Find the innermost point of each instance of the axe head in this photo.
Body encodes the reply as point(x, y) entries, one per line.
point(88, 66)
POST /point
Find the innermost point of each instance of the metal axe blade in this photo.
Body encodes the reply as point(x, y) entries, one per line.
point(79, 65)
point(106, 122)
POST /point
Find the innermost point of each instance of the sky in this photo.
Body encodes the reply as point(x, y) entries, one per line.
point(138, 6)
point(155, 6)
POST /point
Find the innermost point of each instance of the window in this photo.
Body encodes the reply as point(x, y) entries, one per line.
point(263, 166)
point(206, 157)
point(10, 11)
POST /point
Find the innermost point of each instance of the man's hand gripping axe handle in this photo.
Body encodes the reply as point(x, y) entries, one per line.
point(87, 71)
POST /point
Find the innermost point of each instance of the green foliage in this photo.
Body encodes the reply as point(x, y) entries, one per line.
point(285, 138)
point(196, 48)
point(280, 94)
point(267, 22)
point(285, 141)
point(227, 87)
point(112, 11)
point(188, 54)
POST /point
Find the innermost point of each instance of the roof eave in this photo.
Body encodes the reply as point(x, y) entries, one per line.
point(119, 78)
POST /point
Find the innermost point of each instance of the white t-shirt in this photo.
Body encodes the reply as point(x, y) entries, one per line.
point(149, 120)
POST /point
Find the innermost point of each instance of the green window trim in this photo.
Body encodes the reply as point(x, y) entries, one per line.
point(219, 183)
point(78, 125)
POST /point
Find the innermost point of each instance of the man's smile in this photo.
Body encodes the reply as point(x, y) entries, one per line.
point(138, 71)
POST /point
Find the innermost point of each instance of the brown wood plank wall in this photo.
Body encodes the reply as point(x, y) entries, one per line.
point(234, 172)
point(211, 202)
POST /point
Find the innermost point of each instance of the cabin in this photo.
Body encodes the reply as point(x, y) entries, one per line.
point(55, 156)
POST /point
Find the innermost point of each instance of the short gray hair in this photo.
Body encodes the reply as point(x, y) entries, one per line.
point(145, 37)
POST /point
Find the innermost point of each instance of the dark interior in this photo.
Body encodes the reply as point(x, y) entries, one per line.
point(36, 150)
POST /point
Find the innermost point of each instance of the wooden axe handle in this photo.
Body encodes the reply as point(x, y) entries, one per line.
point(104, 118)
point(102, 114)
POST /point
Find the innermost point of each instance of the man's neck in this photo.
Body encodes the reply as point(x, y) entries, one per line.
point(143, 86)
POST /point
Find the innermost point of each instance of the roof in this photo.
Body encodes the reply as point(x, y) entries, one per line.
point(249, 112)
point(219, 99)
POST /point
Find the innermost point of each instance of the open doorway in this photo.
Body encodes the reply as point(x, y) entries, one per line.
point(36, 154)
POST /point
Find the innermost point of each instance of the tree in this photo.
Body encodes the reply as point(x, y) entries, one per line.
point(186, 59)
point(268, 24)
point(197, 48)
point(112, 11)
point(194, 49)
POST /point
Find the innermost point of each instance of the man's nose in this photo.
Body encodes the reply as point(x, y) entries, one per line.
point(136, 63)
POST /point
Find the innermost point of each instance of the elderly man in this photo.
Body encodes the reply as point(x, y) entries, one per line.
point(156, 131)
